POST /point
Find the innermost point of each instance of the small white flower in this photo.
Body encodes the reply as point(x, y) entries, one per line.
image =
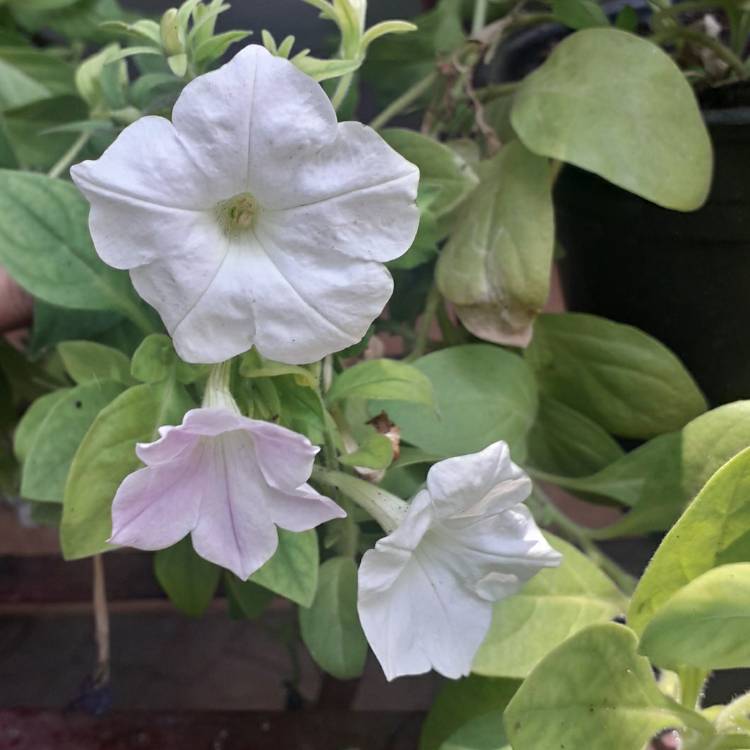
point(254, 218)
point(426, 590)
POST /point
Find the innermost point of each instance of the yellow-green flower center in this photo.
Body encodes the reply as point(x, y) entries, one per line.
point(237, 214)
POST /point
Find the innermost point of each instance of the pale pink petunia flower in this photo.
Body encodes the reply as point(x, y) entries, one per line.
point(227, 480)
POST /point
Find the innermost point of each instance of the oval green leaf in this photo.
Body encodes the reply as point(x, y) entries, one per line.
point(705, 624)
point(612, 103)
point(482, 394)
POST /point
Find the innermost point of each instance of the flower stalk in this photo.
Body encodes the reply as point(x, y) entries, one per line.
point(387, 509)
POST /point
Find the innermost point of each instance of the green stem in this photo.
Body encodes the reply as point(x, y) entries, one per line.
point(497, 91)
point(218, 394)
point(480, 16)
point(342, 89)
point(697, 37)
point(578, 535)
point(388, 510)
point(138, 317)
point(348, 543)
point(405, 100)
point(422, 338)
point(67, 158)
point(692, 681)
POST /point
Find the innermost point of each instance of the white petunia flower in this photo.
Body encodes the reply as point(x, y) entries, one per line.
point(426, 590)
point(253, 217)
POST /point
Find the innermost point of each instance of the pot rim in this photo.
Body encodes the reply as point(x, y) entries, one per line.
point(727, 116)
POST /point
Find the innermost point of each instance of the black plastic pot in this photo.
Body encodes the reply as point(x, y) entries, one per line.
point(681, 277)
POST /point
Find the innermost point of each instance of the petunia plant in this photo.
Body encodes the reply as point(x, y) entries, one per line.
point(296, 355)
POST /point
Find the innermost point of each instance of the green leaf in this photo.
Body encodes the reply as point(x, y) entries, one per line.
point(442, 171)
point(627, 19)
point(293, 570)
point(554, 605)
point(57, 438)
point(213, 48)
point(189, 581)
point(45, 245)
point(107, 455)
point(713, 531)
point(480, 733)
point(49, 69)
point(564, 441)
point(735, 716)
point(482, 394)
point(247, 599)
point(35, 133)
point(87, 361)
point(396, 61)
point(32, 420)
point(611, 102)
point(383, 28)
point(659, 478)
point(81, 20)
point(594, 691)
point(496, 265)
point(52, 325)
point(254, 365)
point(618, 376)
point(330, 626)
point(155, 360)
point(101, 79)
point(322, 70)
point(301, 410)
point(17, 88)
point(375, 453)
point(460, 701)
point(384, 379)
point(579, 14)
point(704, 624)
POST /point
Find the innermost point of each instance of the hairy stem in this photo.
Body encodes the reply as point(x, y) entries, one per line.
point(388, 510)
point(480, 16)
point(425, 324)
point(397, 106)
point(342, 89)
point(704, 40)
point(69, 156)
point(578, 536)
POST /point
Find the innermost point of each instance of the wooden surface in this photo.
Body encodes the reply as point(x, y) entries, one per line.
point(297, 730)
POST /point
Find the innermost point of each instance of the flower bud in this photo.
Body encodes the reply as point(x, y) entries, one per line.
point(171, 39)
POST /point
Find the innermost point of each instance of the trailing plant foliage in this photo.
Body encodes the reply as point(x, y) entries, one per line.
point(259, 427)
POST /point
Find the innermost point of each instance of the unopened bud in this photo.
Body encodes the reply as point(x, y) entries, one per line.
point(169, 28)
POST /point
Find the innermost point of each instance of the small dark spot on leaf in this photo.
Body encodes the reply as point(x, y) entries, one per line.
point(78, 404)
point(620, 619)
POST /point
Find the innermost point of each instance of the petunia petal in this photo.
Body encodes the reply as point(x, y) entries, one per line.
point(311, 304)
point(425, 620)
point(494, 555)
point(145, 201)
point(156, 507)
point(205, 299)
point(196, 423)
point(255, 110)
point(235, 528)
point(356, 196)
point(285, 457)
point(477, 484)
point(302, 509)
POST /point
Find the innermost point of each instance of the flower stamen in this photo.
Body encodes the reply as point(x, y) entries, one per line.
point(237, 214)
